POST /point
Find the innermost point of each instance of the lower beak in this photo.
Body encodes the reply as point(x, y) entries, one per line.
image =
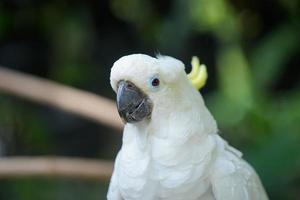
point(133, 104)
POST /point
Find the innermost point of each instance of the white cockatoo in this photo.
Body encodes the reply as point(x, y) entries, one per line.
point(171, 148)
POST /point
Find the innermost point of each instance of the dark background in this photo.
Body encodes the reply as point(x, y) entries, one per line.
point(251, 49)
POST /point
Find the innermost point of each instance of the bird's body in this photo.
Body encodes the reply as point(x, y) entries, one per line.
point(176, 153)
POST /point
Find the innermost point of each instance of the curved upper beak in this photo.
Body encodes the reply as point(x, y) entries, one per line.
point(133, 104)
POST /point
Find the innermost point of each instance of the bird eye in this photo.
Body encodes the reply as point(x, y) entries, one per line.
point(155, 82)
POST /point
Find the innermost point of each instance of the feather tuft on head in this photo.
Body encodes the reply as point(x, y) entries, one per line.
point(198, 75)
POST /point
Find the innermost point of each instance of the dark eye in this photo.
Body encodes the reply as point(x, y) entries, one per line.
point(155, 82)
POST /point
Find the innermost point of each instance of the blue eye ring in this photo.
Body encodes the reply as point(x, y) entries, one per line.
point(154, 82)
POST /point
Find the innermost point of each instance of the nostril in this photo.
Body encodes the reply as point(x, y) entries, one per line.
point(129, 85)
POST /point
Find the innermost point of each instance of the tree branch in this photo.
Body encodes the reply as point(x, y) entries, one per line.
point(72, 100)
point(15, 167)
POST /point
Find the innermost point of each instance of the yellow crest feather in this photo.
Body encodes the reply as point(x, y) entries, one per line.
point(198, 75)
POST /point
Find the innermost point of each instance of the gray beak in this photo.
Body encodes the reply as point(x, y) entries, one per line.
point(133, 104)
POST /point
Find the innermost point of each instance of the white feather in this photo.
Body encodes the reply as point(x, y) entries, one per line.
point(177, 154)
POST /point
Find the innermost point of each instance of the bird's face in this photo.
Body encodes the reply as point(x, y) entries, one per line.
point(140, 82)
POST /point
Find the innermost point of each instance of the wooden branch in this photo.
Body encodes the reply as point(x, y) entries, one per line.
point(72, 100)
point(16, 167)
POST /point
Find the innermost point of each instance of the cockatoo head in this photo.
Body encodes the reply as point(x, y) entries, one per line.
point(148, 88)
point(143, 83)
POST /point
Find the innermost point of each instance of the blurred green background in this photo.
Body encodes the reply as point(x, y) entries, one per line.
point(251, 48)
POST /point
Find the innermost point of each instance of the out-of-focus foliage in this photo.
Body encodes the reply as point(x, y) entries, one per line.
point(251, 49)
